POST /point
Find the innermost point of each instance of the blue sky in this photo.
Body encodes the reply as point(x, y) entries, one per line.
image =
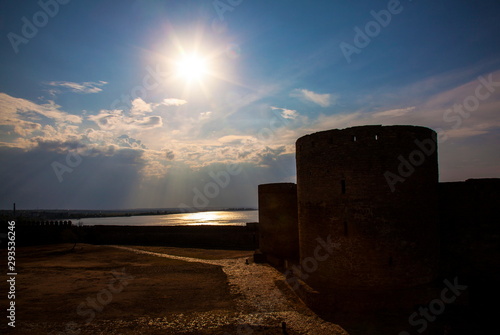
point(94, 112)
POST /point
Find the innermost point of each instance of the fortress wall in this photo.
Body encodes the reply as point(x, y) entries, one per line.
point(278, 226)
point(383, 236)
point(470, 228)
point(218, 237)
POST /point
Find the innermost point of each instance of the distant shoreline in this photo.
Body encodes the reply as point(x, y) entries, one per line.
point(51, 214)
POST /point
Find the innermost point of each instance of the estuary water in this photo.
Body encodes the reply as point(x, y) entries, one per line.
point(231, 218)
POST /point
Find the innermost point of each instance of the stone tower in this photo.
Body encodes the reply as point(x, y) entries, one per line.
point(373, 189)
point(278, 226)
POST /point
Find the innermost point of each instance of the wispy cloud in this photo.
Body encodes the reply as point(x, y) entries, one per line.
point(119, 121)
point(173, 102)
point(138, 117)
point(139, 107)
point(25, 116)
point(324, 100)
point(237, 140)
point(287, 113)
point(83, 88)
point(394, 112)
point(205, 115)
point(445, 111)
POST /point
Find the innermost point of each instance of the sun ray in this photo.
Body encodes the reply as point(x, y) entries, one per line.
point(195, 63)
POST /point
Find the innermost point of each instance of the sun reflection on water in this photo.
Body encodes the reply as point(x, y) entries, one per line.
point(237, 218)
point(203, 218)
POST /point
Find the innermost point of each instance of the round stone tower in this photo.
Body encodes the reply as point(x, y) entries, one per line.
point(372, 192)
point(278, 227)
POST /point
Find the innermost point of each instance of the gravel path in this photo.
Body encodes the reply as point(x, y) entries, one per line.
point(260, 303)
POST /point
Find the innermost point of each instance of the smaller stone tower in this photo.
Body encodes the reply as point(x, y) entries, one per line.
point(278, 226)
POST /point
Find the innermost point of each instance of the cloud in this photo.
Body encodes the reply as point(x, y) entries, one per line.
point(135, 118)
point(287, 113)
point(117, 140)
point(21, 127)
point(140, 107)
point(394, 112)
point(173, 102)
point(83, 88)
point(28, 177)
point(474, 130)
point(324, 100)
point(450, 111)
point(269, 155)
point(26, 117)
point(25, 109)
point(129, 142)
point(149, 122)
point(205, 115)
point(118, 120)
point(237, 139)
point(444, 111)
point(107, 119)
point(169, 155)
point(57, 145)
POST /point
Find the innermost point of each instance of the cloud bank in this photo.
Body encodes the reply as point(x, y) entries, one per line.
point(157, 154)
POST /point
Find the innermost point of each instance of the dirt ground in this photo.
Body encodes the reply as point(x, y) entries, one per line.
point(99, 289)
point(134, 290)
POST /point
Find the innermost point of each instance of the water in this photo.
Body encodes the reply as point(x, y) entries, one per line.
point(232, 218)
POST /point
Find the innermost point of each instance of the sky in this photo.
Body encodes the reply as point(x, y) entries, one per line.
point(147, 104)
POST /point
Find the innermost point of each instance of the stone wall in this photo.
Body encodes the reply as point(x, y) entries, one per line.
point(470, 228)
point(224, 237)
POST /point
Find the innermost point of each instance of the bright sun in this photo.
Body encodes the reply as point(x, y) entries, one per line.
point(191, 67)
